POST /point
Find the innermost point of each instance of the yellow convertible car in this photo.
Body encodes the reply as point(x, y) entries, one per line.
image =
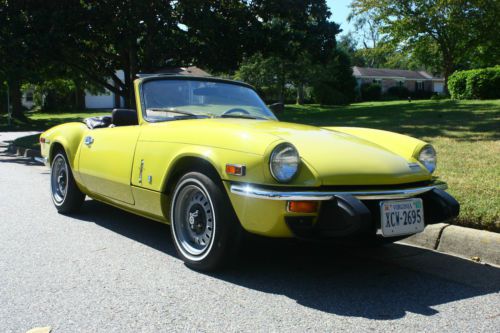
point(208, 157)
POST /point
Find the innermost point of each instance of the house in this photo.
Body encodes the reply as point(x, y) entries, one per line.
point(413, 80)
point(107, 99)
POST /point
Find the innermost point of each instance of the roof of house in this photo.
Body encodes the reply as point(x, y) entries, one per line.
point(392, 73)
point(190, 70)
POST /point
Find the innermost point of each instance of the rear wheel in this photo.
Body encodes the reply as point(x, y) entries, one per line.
point(205, 230)
point(66, 195)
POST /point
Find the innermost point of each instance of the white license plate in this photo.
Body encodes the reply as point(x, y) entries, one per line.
point(401, 217)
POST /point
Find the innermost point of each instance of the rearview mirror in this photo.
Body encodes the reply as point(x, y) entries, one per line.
point(277, 108)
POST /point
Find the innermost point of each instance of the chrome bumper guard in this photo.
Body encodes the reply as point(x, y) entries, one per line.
point(253, 191)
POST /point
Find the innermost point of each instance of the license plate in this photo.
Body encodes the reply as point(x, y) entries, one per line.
point(401, 217)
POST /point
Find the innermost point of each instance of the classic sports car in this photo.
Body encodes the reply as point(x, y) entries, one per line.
point(208, 157)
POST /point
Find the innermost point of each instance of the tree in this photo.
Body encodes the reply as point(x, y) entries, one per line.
point(15, 52)
point(297, 33)
point(457, 28)
point(334, 83)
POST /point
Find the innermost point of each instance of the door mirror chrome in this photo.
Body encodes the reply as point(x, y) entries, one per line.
point(88, 140)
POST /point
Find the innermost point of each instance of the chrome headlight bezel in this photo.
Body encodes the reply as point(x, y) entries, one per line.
point(428, 158)
point(293, 163)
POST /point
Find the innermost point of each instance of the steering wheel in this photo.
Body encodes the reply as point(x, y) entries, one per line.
point(235, 110)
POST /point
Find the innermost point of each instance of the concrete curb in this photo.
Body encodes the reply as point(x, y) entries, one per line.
point(24, 152)
point(21, 151)
point(473, 244)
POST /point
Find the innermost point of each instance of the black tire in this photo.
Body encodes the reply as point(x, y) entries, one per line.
point(66, 195)
point(205, 229)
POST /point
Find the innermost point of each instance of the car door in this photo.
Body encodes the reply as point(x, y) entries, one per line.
point(105, 162)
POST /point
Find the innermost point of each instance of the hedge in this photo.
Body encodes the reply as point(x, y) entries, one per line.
point(371, 91)
point(475, 84)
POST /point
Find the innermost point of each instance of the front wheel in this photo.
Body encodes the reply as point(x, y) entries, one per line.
point(204, 227)
point(66, 195)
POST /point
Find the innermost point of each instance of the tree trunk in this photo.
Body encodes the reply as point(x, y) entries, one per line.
point(300, 94)
point(128, 85)
point(281, 80)
point(132, 71)
point(448, 69)
point(15, 99)
point(79, 98)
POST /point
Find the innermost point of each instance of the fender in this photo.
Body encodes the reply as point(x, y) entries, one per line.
point(69, 136)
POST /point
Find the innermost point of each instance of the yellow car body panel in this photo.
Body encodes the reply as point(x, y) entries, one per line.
point(130, 166)
point(105, 165)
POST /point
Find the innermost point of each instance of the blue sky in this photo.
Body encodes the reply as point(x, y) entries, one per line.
point(340, 10)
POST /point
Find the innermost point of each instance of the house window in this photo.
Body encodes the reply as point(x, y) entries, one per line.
point(401, 83)
point(419, 85)
point(29, 97)
point(377, 81)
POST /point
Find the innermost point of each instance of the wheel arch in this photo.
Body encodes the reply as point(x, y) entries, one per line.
point(188, 163)
point(54, 148)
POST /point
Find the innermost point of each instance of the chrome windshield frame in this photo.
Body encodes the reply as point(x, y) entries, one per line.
point(161, 77)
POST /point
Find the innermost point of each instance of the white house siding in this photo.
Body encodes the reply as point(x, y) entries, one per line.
point(99, 101)
point(105, 100)
point(438, 87)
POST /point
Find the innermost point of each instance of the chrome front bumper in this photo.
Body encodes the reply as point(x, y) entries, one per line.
point(254, 191)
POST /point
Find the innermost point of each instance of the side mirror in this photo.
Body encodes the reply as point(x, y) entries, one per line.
point(277, 108)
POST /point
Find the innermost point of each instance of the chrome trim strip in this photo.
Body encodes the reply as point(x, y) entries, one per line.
point(251, 191)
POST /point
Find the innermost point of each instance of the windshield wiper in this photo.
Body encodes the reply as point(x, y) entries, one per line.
point(245, 116)
point(185, 114)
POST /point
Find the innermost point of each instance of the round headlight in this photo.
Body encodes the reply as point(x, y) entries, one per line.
point(428, 158)
point(284, 162)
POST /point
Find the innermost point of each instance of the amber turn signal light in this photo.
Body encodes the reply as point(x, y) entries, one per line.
point(235, 169)
point(302, 206)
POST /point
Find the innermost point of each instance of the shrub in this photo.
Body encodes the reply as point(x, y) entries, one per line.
point(371, 91)
point(325, 94)
point(421, 94)
point(438, 97)
point(401, 92)
point(457, 83)
point(475, 84)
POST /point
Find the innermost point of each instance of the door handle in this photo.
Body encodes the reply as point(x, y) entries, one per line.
point(88, 140)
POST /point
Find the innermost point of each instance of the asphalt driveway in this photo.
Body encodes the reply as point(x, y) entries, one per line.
point(105, 270)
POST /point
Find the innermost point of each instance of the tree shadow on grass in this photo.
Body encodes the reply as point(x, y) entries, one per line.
point(38, 124)
point(472, 121)
point(333, 279)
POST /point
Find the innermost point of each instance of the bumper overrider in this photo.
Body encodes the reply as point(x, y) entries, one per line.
point(352, 212)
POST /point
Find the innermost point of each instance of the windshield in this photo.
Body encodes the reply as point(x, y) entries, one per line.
point(171, 99)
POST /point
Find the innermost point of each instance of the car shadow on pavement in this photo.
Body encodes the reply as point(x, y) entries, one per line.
point(383, 284)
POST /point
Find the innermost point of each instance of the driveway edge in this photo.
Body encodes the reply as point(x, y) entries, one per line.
point(24, 152)
point(477, 245)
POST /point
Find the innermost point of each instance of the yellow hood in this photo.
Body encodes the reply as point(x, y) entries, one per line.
point(336, 158)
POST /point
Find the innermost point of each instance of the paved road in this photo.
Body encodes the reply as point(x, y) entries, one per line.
point(105, 270)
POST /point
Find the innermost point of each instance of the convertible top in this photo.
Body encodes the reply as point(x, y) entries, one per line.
point(97, 122)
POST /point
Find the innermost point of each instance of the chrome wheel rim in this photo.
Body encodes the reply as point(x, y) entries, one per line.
point(193, 220)
point(59, 179)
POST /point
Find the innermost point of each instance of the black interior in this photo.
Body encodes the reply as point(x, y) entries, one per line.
point(119, 117)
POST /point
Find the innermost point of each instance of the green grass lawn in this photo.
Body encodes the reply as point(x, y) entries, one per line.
point(465, 134)
point(40, 121)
